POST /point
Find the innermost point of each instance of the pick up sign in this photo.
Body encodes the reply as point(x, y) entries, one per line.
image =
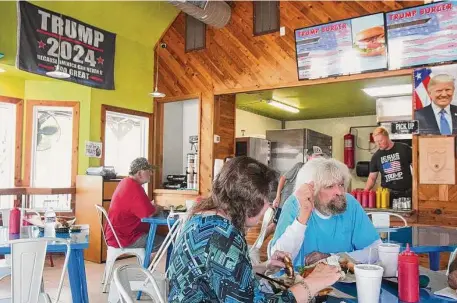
point(405, 127)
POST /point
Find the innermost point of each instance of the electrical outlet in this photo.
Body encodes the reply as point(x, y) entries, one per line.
point(282, 31)
point(217, 139)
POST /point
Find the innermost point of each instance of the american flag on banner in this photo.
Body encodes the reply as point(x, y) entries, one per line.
point(391, 167)
point(421, 79)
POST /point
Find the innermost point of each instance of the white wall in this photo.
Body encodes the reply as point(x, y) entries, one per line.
point(172, 139)
point(254, 125)
point(190, 128)
point(337, 128)
point(180, 122)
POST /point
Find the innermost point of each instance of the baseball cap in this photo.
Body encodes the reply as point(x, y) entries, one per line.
point(140, 164)
point(316, 151)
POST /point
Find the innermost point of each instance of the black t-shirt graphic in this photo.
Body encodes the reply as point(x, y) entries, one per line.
point(394, 166)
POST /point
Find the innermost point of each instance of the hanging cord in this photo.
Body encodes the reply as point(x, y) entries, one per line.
point(60, 38)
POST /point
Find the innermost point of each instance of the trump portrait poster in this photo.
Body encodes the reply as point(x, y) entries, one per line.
point(434, 99)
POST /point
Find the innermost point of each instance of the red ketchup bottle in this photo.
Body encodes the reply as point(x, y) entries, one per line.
point(408, 276)
point(15, 221)
point(365, 198)
point(359, 196)
point(372, 199)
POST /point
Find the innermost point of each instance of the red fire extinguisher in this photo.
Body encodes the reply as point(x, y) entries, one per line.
point(349, 150)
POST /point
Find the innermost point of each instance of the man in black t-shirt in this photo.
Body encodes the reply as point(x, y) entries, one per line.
point(393, 161)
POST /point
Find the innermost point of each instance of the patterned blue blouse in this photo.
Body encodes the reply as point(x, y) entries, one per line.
point(211, 263)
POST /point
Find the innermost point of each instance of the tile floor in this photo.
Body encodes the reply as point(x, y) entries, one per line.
point(52, 277)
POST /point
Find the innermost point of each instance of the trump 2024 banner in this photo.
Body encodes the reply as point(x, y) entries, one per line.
point(86, 52)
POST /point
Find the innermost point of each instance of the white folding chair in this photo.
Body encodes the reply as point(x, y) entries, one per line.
point(267, 217)
point(382, 219)
point(115, 252)
point(451, 258)
point(155, 284)
point(269, 250)
point(28, 256)
point(123, 277)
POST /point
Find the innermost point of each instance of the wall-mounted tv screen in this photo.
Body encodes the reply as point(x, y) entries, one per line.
point(341, 48)
point(422, 35)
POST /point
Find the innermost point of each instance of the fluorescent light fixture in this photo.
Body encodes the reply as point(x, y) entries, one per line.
point(283, 106)
point(389, 91)
point(2, 70)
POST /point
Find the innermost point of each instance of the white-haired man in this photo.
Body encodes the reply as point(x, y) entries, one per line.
point(287, 183)
point(440, 117)
point(320, 218)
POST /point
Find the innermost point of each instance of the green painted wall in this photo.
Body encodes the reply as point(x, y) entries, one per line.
point(138, 26)
point(11, 86)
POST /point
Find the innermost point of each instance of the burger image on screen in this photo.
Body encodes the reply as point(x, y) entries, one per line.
point(371, 42)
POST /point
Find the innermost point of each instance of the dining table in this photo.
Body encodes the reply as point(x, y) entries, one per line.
point(154, 222)
point(431, 240)
point(79, 241)
point(347, 292)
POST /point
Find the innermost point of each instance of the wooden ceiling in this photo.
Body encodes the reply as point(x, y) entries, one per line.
point(235, 60)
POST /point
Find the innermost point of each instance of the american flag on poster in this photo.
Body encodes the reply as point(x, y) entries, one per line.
point(391, 167)
point(321, 49)
point(421, 79)
point(422, 35)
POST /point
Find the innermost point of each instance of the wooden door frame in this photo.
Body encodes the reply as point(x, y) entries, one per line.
point(121, 110)
point(18, 137)
point(158, 138)
point(30, 104)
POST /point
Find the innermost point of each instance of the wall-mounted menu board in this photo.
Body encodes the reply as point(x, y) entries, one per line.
point(422, 35)
point(341, 48)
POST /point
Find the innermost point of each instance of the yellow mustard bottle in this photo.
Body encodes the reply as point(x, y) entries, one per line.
point(387, 198)
point(378, 197)
point(384, 198)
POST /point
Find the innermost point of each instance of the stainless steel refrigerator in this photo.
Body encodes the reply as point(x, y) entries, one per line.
point(289, 146)
point(256, 148)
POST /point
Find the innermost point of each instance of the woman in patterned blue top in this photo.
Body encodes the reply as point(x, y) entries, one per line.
point(210, 261)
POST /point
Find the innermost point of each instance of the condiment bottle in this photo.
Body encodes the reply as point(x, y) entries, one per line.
point(384, 198)
point(14, 221)
point(408, 276)
point(365, 198)
point(359, 196)
point(378, 197)
point(372, 199)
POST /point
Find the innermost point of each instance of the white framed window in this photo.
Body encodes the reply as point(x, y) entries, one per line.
point(126, 138)
point(7, 150)
point(53, 136)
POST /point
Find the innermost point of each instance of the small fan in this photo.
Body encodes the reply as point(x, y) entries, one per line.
point(48, 131)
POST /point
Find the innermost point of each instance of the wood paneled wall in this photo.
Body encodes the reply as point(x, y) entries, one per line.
point(236, 61)
point(224, 126)
point(437, 204)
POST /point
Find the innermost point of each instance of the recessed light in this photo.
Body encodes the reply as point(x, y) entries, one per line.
point(389, 91)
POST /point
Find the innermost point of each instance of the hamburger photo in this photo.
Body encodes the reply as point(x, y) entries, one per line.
point(370, 42)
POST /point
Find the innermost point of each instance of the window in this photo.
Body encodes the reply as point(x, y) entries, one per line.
point(266, 17)
point(126, 138)
point(195, 34)
point(52, 139)
point(10, 136)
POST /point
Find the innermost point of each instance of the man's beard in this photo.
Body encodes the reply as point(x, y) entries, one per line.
point(335, 206)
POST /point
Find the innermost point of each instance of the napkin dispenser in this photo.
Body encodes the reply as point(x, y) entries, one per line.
point(107, 172)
